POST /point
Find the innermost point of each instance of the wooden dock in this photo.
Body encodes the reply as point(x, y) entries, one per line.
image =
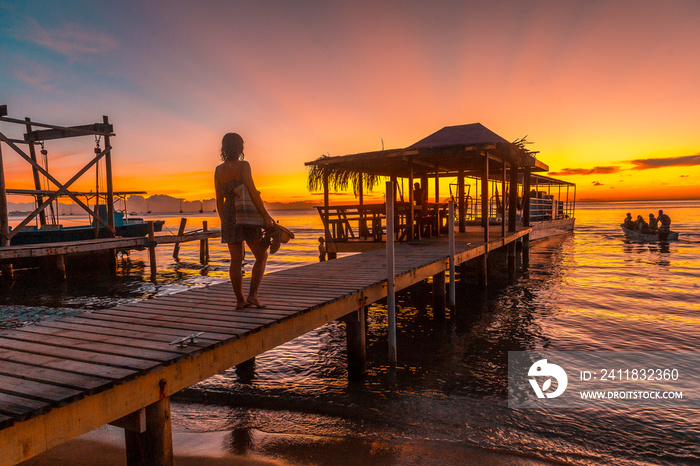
point(62, 378)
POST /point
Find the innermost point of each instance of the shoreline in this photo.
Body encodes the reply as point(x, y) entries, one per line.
point(105, 446)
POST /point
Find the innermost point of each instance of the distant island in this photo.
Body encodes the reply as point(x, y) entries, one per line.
point(157, 203)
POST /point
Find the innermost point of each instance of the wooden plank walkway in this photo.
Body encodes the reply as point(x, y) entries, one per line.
point(102, 244)
point(62, 378)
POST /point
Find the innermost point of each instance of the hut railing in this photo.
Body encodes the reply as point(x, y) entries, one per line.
point(367, 223)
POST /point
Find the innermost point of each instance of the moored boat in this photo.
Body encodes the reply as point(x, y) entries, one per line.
point(124, 227)
point(651, 237)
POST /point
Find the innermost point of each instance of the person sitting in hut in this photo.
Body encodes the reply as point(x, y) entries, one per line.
point(665, 227)
point(628, 222)
point(420, 195)
point(321, 249)
point(653, 223)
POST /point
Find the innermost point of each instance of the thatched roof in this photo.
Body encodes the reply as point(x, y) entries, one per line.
point(469, 135)
point(450, 149)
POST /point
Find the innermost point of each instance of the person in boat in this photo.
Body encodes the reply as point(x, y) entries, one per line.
point(642, 225)
point(628, 222)
point(653, 223)
point(231, 173)
point(665, 225)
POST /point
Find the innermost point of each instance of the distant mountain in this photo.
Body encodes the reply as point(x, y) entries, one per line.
point(159, 203)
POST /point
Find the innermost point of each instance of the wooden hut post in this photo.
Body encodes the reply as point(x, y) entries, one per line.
point(35, 173)
point(154, 446)
point(437, 199)
point(362, 227)
point(503, 201)
point(411, 201)
point(460, 195)
point(110, 186)
point(390, 272)
point(512, 216)
point(526, 217)
point(326, 216)
point(485, 197)
point(484, 259)
point(513, 201)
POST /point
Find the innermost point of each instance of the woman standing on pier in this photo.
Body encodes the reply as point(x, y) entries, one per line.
point(233, 172)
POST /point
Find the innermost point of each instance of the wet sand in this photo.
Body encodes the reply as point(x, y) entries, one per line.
point(105, 446)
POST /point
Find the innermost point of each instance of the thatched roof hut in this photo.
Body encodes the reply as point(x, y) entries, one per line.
point(451, 150)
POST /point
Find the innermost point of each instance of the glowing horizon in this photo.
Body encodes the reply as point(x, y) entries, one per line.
point(608, 98)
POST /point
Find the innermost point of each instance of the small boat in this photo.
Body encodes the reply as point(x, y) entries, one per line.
point(651, 237)
point(125, 227)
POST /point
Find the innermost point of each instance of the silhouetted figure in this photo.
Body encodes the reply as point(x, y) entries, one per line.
point(321, 249)
point(665, 225)
point(628, 222)
point(642, 225)
point(420, 195)
point(653, 223)
point(233, 172)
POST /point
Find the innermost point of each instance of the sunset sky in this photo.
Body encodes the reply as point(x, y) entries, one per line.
point(608, 92)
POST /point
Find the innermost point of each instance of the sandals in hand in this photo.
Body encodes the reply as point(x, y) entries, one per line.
point(279, 235)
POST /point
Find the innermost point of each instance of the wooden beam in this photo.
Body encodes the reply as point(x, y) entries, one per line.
point(4, 219)
point(110, 187)
point(180, 232)
point(461, 205)
point(134, 422)
point(98, 129)
point(62, 188)
point(411, 202)
point(35, 174)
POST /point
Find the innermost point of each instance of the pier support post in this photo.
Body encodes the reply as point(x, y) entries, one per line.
point(203, 253)
point(246, 370)
point(511, 259)
point(451, 233)
point(439, 295)
point(356, 333)
point(180, 232)
point(155, 445)
point(482, 270)
point(61, 266)
point(152, 249)
point(6, 272)
point(526, 251)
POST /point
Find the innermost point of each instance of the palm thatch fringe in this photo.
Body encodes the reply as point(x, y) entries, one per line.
point(340, 179)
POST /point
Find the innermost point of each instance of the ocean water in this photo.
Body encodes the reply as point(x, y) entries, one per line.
point(446, 400)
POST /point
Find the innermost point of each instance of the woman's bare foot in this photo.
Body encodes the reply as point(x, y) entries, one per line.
point(240, 304)
point(254, 301)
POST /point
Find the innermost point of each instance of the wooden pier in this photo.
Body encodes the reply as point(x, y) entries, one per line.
point(60, 379)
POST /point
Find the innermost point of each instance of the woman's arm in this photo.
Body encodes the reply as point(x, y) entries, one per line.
point(255, 195)
point(219, 193)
